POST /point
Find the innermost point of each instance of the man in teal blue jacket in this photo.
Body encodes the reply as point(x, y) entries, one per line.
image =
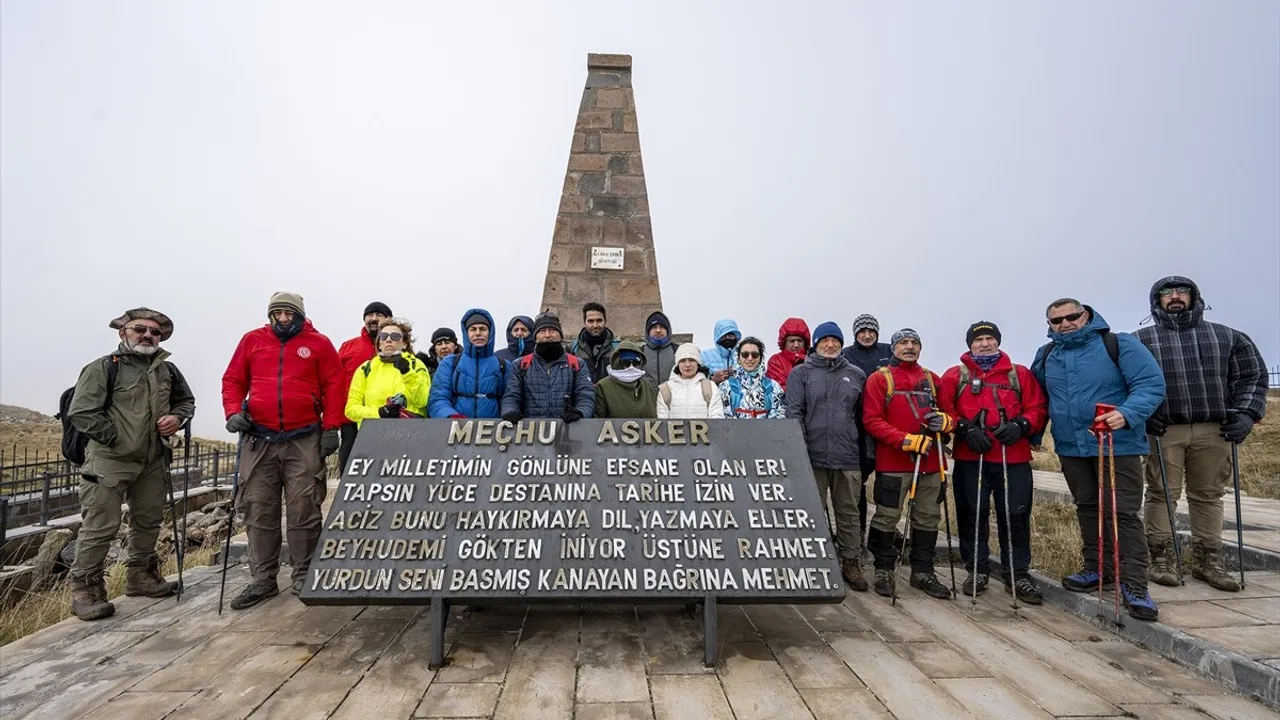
point(1087, 364)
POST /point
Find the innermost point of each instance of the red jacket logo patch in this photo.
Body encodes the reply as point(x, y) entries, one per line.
point(304, 352)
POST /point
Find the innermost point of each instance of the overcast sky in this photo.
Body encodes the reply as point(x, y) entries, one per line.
point(931, 164)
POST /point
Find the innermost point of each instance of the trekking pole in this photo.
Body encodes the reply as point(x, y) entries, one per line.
point(1168, 506)
point(1235, 475)
point(1115, 523)
point(173, 517)
point(978, 516)
point(946, 513)
point(231, 520)
point(1102, 512)
point(911, 499)
point(1008, 516)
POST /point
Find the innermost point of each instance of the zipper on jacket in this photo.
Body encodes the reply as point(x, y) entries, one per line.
point(280, 387)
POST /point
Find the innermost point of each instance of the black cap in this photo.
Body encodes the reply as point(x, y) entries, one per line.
point(980, 328)
point(444, 333)
point(378, 307)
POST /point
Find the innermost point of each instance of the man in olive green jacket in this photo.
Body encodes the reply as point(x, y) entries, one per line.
point(129, 435)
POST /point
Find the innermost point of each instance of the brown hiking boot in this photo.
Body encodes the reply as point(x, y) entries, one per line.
point(1207, 566)
point(143, 579)
point(852, 571)
point(1161, 567)
point(89, 596)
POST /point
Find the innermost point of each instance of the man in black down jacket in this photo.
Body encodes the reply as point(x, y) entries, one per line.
point(867, 354)
point(825, 394)
point(550, 383)
point(1216, 389)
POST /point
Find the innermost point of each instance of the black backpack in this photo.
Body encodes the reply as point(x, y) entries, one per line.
point(75, 442)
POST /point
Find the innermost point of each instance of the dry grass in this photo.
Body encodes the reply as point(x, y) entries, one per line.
point(1055, 539)
point(38, 611)
point(1260, 455)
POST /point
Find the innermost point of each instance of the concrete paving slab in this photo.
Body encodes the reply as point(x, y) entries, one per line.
point(459, 700)
point(889, 622)
point(1163, 712)
point(540, 680)
point(478, 657)
point(825, 618)
point(393, 687)
point(939, 660)
point(139, 706)
point(689, 697)
point(195, 669)
point(672, 641)
point(1230, 707)
point(1152, 669)
point(613, 711)
point(89, 692)
point(989, 697)
point(240, 690)
point(757, 686)
point(1205, 614)
point(906, 691)
point(355, 648)
point(1256, 641)
point(35, 683)
point(1265, 610)
point(306, 697)
point(611, 668)
point(844, 703)
point(814, 666)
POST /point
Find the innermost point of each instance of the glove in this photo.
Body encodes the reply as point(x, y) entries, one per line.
point(328, 443)
point(975, 436)
point(459, 416)
point(401, 363)
point(398, 400)
point(389, 411)
point(238, 423)
point(1236, 427)
point(937, 422)
point(918, 444)
point(1010, 430)
point(571, 415)
point(512, 416)
point(1156, 426)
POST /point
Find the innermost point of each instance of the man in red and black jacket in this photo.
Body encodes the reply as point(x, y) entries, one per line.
point(354, 353)
point(285, 392)
point(900, 409)
point(998, 405)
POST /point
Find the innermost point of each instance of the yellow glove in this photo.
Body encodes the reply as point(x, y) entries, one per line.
point(919, 444)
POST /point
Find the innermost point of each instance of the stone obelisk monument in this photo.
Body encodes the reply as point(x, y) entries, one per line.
point(602, 248)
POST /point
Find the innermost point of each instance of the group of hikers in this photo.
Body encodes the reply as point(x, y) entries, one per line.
point(1186, 386)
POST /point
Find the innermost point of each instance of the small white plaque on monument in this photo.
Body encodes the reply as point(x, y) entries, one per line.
point(606, 258)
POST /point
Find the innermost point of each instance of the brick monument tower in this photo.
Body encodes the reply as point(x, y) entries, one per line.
point(602, 248)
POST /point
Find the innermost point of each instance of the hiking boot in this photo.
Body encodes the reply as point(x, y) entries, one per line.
point(1027, 591)
point(89, 596)
point(296, 587)
point(928, 582)
point(1083, 581)
point(1207, 565)
point(884, 582)
point(852, 571)
point(254, 593)
point(143, 579)
point(981, 578)
point(1161, 567)
point(1139, 602)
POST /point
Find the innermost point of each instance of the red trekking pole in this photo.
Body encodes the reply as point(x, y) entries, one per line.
point(1103, 431)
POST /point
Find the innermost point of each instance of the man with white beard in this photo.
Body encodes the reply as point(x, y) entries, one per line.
point(128, 404)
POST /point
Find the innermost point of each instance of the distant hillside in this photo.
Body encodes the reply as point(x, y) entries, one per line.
point(30, 436)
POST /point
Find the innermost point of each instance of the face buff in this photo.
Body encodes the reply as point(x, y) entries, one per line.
point(985, 362)
point(628, 374)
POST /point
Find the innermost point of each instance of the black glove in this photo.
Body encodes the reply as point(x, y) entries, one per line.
point(389, 411)
point(1009, 431)
point(402, 364)
point(571, 415)
point(512, 416)
point(329, 443)
point(1236, 427)
point(1156, 426)
point(240, 422)
point(975, 437)
point(398, 400)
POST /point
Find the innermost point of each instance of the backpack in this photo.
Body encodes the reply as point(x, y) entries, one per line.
point(526, 362)
point(889, 391)
point(1108, 339)
point(74, 442)
point(1013, 385)
point(707, 388)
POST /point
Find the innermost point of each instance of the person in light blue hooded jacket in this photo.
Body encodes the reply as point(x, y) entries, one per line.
point(470, 384)
point(1087, 364)
point(720, 359)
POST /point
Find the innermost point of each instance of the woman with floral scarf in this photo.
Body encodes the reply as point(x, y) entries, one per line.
point(748, 393)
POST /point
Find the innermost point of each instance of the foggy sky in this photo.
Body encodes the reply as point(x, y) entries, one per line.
point(932, 165)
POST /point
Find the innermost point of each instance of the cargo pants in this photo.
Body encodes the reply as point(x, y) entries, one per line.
point(1197, 458)
point(845, 487)
point(891, 490)
point(101, 499)
point(294, 469)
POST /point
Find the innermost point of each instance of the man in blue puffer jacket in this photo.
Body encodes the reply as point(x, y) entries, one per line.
point(470, 384)
point(720, 358)
point(1087, 364)
point(550, 383)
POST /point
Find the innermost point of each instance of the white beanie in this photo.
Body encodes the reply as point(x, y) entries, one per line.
point(688, 351)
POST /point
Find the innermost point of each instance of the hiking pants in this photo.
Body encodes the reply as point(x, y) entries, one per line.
point(965, 489)
point(348, 433)
point(267, 469)
point(845, 487)
point(1197, 458)
point(101, 499)
point(1082, 479)
point(926, 512)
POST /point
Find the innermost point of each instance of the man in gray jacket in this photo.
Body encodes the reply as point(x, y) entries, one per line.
point(825, 394)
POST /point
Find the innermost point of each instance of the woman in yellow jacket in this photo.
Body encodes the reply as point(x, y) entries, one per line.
point(394, 384)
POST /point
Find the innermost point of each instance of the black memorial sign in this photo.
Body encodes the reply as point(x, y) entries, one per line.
point(624, 510)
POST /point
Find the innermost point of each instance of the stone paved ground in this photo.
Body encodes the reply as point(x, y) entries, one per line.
point(923, 659)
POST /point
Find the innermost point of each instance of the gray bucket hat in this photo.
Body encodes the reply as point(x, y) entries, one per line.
point(143, 313)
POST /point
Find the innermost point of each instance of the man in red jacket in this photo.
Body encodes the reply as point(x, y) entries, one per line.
point(900, 409)
point(285, 392)
point(354, 353)
point(998, 405)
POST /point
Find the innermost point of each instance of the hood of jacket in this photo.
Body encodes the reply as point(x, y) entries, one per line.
point(624, 346)
point(467, 348)
point(520, 346)
point(724, 327)
point(1188, 318)
point(793, 326)
point(1096, 324)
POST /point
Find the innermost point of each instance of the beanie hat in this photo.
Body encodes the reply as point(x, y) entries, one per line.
point(444, 333)
point(144, 313)
point(547, 320)
point(866, 322)
point(378, 307)
point(688, 351)
point(826, 330)
point(286, 301)
point(476, 318)
point(657, 317)
point(904, 334)
point(980, 328)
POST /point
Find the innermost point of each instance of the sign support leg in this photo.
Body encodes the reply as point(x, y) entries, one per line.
point(709, 642)
point(437, 615)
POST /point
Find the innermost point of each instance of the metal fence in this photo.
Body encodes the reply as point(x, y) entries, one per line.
point(1274, 377)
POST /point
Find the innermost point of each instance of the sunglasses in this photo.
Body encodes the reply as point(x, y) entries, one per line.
point(1166, 292)
point(145, 330)
point(748, 355)
point(395, 336)
point(1066, 318)
point(631, 362)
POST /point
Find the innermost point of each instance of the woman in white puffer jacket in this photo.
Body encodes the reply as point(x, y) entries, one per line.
point(689, 394)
